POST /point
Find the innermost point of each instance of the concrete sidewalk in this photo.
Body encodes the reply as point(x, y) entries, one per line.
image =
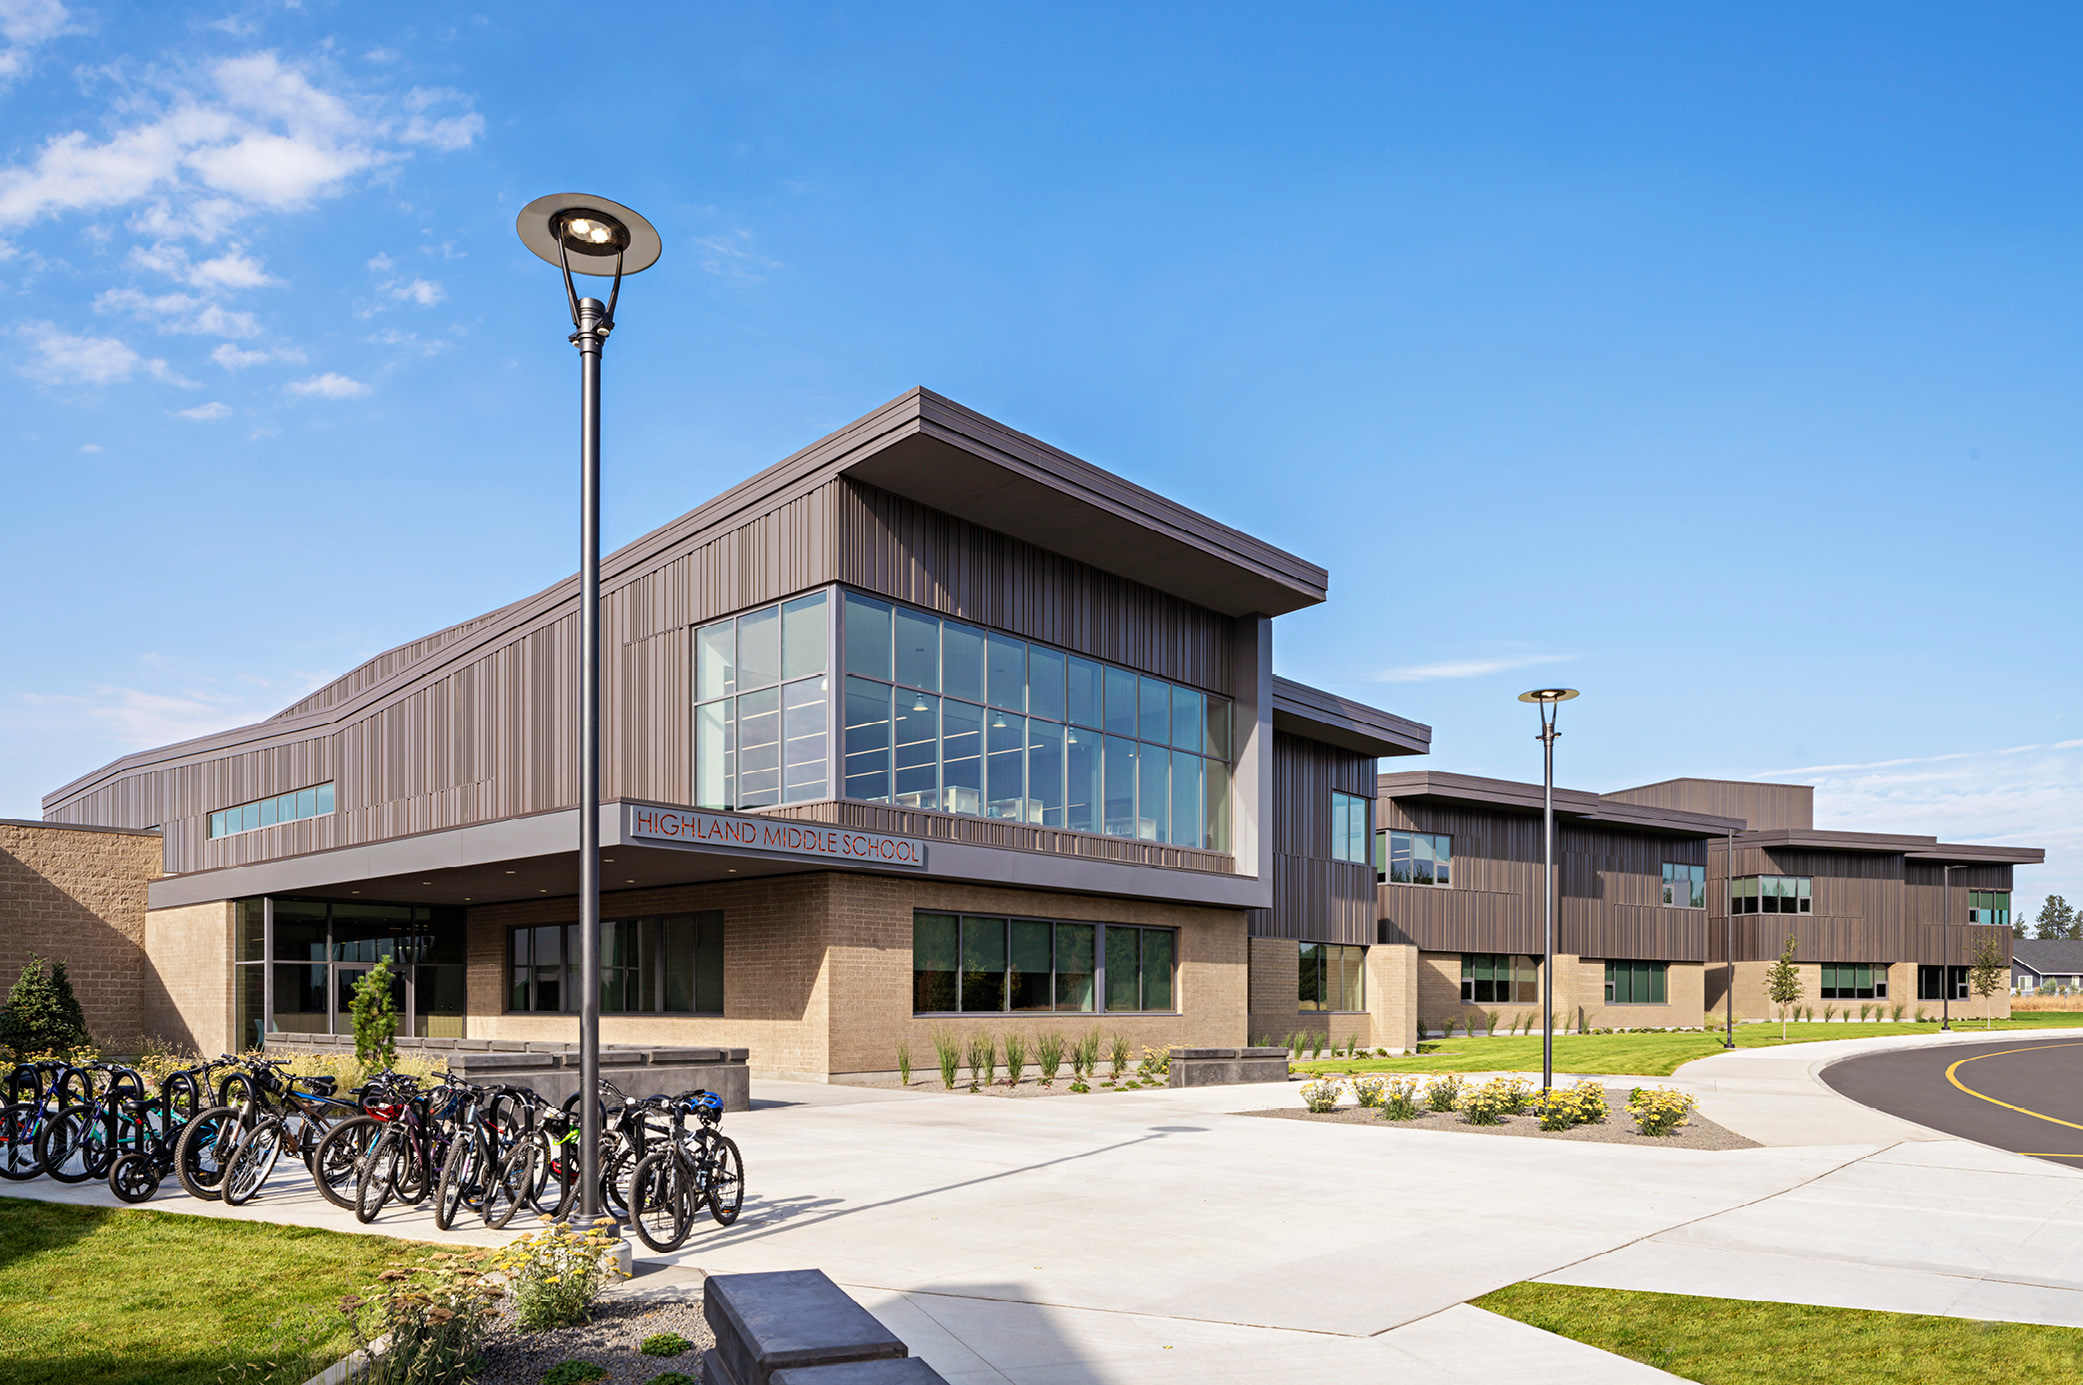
point(1163, 1236)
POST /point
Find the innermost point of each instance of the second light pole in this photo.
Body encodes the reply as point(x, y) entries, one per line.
point(1545, 699)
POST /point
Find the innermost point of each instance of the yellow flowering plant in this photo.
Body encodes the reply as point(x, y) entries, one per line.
point(1660, 1110)
point(555, 1274)
point(1321, 1095)
point(431, 1320)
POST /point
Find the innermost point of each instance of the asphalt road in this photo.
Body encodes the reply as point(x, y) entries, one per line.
point(2023, 1095)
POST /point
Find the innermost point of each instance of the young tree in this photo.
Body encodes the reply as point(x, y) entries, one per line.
point(2056, 920)
point(1783, 981)
point(375, 1021)
point(1986, 975)
point(42, 1014)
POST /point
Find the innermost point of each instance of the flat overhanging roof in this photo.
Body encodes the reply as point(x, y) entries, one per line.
point(1301, 710)
point(1914, 848)
point(1510, 795)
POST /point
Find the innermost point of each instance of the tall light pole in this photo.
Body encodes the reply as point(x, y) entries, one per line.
point(1945, 966)
point(1545, 699)
point(581, 234)
point(1728, 919)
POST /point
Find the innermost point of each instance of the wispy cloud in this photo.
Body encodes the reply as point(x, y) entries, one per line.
point(732, 256)
point(207, 413)
point(330, 385)
point(1467, 668)
point(25, 26)
point(58, 357)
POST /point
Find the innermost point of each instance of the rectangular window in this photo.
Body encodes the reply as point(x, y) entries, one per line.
point(1854, 981)
point(984, 964)
point(1348, 827)
point(1635, 983)
point(1685, 887)
point(1932, 982)
point(1497, 978)
point(1332, 978)
point(1414, 858)
point(1163, 780)
point(659, 964)
point(1771, 894)
point(1989, 907)
point(313, 802)
point(763, 723)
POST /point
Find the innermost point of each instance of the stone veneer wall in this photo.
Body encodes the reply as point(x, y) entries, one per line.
point(77, 895)
point(817, 971)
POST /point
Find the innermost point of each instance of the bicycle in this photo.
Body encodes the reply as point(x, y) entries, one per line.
point(545, 1156)
point(302, 1116)
point(697, 1168)
point(78, 1142)
point(407, 1152)
point(34, 1093)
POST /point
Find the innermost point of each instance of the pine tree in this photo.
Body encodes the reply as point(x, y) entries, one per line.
point(2056, 920)
point(42, 1014)
point(1783, 981)
point(375, 1020)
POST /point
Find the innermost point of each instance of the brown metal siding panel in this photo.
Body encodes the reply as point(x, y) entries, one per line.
point(953, 827)
point(1315, 898)
point(1868, 907)
point(1759, 805)
point(912, 553)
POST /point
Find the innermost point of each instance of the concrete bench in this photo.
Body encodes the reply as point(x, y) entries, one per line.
point(796, 1327)
point(1215, 1067)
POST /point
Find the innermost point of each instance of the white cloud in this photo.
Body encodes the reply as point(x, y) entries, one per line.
point(207, 413)
point(423, 292)
point(159, 370)
point(90, 447)
point(179, 312)
point(1467, 668)
point(135, 717)
point(410, 341)
point(328, 386)
point(63, 358)
point(232, 357)
point(234, 269)
point(27, 25)
point(732, 256)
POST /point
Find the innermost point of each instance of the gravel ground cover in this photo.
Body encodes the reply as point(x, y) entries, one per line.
point(1698, 1133)
point(620, 1325)
point(1028, 1087)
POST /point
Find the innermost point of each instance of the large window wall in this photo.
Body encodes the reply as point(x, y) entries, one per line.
point(762, 717)
point(971, 963)
point(657, 965)
point(298, 960)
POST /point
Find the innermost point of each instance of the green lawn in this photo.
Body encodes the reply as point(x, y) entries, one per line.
point(125, 1297)
point(1723, 1341)
point(1646, 1055)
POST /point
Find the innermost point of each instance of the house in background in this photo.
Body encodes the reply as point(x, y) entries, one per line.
point(2042, 963)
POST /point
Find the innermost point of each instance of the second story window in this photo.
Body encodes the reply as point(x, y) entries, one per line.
point(761, 723)
point(288, 807)
point(1348, 827)
point(1685, 887)
point(1989, 906)
point(1771, 894)
point(1414, 858)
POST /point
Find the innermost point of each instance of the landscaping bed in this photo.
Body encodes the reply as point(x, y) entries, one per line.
point(1697, 1133)
point(621, 1324)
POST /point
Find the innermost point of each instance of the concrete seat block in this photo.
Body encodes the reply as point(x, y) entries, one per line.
point(785, 1319)
point(903, 1370)
point(472, 1064)
point(614, 1058)
point(1190, 1054)
point(1275, 1051)
point(687, 1055)
point(538, 1047)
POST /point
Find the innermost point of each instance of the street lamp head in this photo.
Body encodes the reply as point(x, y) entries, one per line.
point(588, 235)
point(1548, 695)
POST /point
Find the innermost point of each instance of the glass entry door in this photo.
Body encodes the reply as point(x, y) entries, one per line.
point(319, 950)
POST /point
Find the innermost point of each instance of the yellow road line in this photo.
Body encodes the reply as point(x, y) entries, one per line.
point(1953, 1076)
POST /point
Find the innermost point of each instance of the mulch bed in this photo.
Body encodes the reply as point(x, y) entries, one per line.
point(1697, 1133)
point(619, 1327)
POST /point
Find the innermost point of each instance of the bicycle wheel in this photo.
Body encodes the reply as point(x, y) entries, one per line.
point(75, 1085)
point(726, 1182)
point(617, 1166)
point(132, 1178)
point(201, 1152)
point(338, 1160)
point(252, 1160)
point(379, 1173)
point(415, 1181)
point(462, 1179)
point(661, 1202)
point(18, 1124)
point(510, 1186)
point(73, 1146)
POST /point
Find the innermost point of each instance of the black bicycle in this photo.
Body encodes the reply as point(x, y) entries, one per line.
point(300, 1110)
point(694, 1168)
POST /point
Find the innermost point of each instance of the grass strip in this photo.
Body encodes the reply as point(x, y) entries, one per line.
point(1726, 1341)
point(125, 1297)
point(1646, 1055)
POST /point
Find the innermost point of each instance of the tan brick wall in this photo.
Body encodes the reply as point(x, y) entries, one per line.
point(79, 897)
point(1391, 995)
point(1275, 990)
point(1684, 995)
point(817, 971)
point(187, 988)
point(1752, 1003)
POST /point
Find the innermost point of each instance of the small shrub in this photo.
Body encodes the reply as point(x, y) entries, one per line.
point(42, 1014)
point(1515, 1092)
point(904, 1063)
point(1155, 1066)
point(1085, 1055)
point(1399, 1099)
point(1556, 1108)
point(436, 1316)
point(574, 1373)
point(1446, 1027)
point(1829, 1013)
point(1486, 1103)
point(1048, 1056)
point(664, 1344)
point(1369, 1087)
point(1320, 1096)
point(1659, 1110)
point(1117, 1054)
point(555, 1274)
point(1015, 1058)
point(1591, 1101)
point(1443, 1091)
point(1080, 1086)
point(947, 1048)
point(1294, 1044)
point(375, 1020)
point(672, 1378)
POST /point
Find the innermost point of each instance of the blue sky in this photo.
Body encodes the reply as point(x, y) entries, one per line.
point(1723, 366)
